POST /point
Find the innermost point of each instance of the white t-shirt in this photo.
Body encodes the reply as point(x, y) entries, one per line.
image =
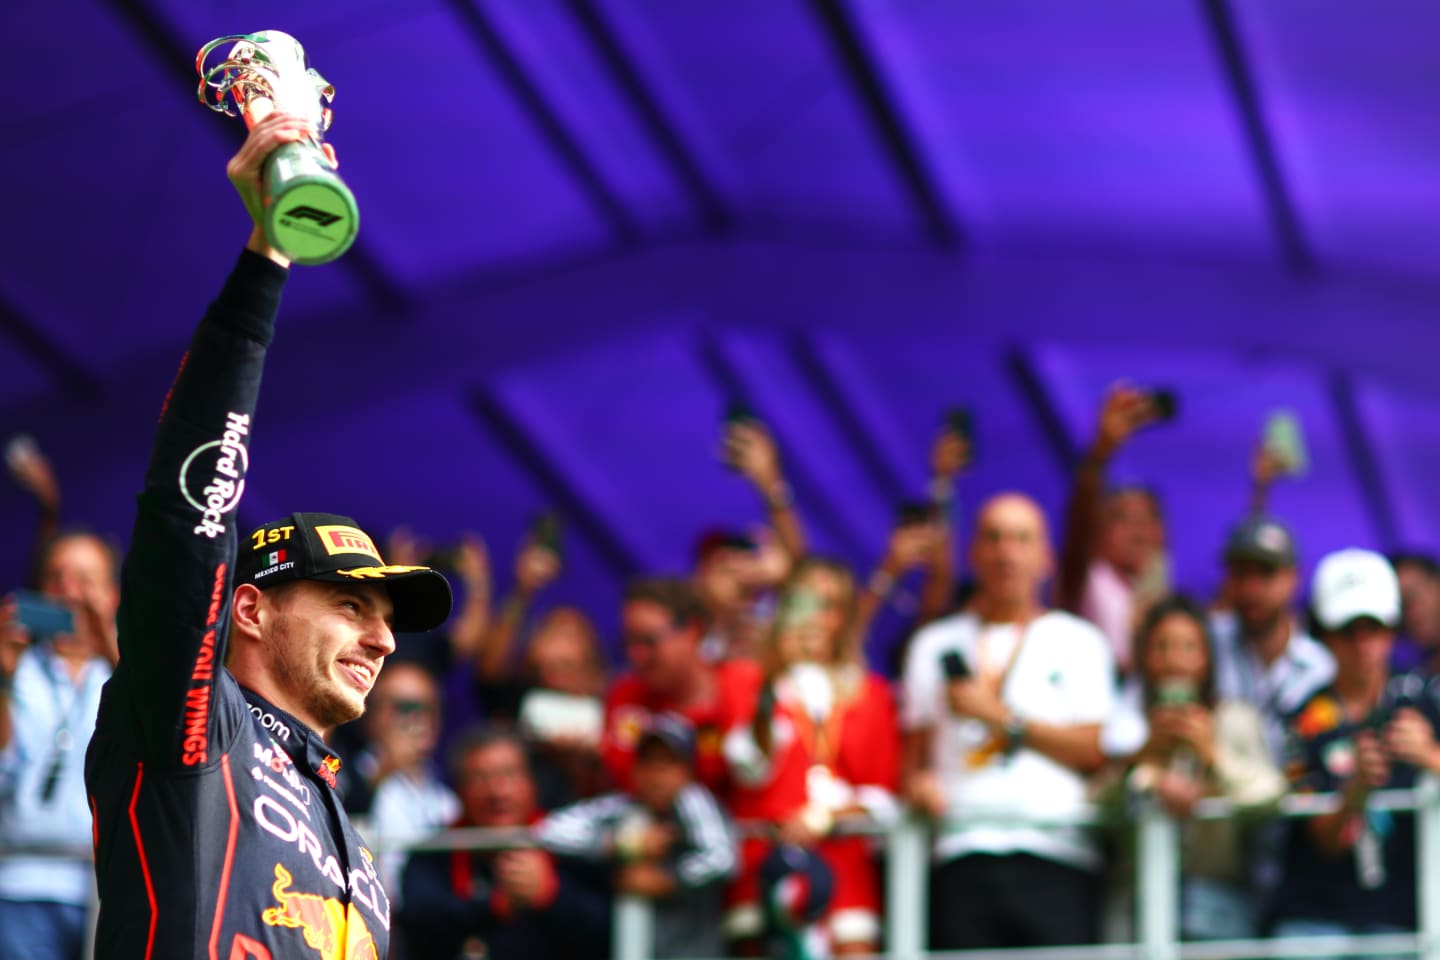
point(1064, 675)
point(405, 809)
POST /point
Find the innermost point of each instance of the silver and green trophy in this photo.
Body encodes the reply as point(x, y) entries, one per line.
point(310, 215)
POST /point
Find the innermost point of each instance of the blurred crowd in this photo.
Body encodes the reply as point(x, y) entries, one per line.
point(729, 766)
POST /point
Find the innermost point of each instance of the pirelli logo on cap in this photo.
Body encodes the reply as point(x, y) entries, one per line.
point(338, 538)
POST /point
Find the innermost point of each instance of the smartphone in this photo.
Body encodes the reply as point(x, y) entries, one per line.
point(547, 714)
point(40, 615)
point(1286, 442)
point(18, 450)
point(1176, 692)
point(961, 422)
point(1165, 402)
point(737, 411)
point(800, 607)
point(545, 531)
point(954, 666)
point(915, 513)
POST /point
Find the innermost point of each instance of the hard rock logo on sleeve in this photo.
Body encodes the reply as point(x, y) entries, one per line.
point(212, 477)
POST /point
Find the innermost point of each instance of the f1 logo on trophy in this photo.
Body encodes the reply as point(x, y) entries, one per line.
point(310, 214)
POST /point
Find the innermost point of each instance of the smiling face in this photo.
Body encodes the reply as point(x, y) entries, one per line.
point(815, 614)
point(1176, 651)
point(324, 645)
point(660, 652)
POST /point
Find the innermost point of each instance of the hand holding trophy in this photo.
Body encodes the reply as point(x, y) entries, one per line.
point(309, 213)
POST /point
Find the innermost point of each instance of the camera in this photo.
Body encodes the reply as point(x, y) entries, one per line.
point(41, 616)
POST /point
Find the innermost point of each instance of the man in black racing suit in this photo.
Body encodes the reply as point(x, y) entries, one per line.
point(218, 831)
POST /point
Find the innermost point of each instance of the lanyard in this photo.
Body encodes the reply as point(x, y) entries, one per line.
point(67, 717)
point(822, 741)
point(996, 745)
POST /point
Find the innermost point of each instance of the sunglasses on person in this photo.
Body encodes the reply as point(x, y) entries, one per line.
point(647, 640)
point(410, 708)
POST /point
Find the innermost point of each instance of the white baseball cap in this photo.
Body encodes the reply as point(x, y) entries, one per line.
point(1354, 583)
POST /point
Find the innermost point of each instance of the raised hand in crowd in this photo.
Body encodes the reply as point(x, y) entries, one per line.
point(751, 449)
point(1113, 542)
point(950, 455)
point(1266, 466)
point(31, 469)
point(912, 546)
point(470, 562)
point(536, 566)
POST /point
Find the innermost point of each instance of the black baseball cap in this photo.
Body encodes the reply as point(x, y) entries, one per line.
point(675, 732)
point(1263, 539)
point(333, 549)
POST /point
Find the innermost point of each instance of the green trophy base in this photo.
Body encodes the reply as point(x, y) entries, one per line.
point(311, 215)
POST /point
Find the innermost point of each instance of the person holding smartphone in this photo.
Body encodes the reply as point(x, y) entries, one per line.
point(1113, 562)
point(1186, 745)
point(57, 647)
point(1014, 731)
point(819, 743)
point(1353, 871)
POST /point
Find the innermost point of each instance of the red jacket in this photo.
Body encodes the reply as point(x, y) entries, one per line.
point(737, 684)
point(858, 743)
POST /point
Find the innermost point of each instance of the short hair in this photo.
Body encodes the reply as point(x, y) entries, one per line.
point(1415, 558)
point(714, 541)
point(677, 597)
point(482, 737)
point(106, 544)
point(1144, 490)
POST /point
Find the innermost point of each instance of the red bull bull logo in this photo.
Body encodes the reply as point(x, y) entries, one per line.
point(327, 770)
point(336, 931)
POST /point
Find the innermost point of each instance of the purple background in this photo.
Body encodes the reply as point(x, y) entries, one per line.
point(588, 223)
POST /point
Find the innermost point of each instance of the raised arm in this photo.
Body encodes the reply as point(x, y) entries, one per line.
point(32, 470)
point(1126, 409)
point(949, 457)
point(753, 451)
point(536, 567)
point(175, 583)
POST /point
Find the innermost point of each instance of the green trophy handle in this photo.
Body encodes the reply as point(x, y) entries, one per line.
point(310, 215)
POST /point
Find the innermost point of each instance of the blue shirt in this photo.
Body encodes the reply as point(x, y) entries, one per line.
point(44, 700)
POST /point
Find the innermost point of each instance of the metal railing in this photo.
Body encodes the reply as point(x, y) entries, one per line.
point(907, 848)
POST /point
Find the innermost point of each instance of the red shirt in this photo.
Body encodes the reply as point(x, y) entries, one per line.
point(737, 684)
point(858, 743)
